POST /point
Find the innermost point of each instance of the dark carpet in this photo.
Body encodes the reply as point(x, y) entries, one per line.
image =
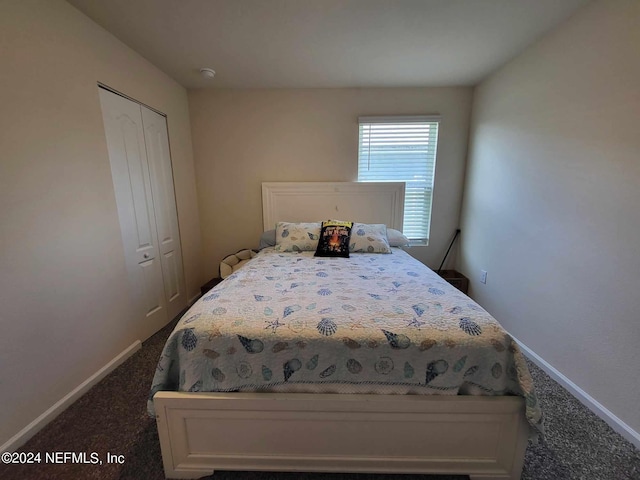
point(112, 418)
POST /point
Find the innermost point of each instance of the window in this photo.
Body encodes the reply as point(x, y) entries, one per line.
point(402, 149)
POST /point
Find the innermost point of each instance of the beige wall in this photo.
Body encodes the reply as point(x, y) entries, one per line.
point(552, 201)
point(244, 137)
point(65, 306)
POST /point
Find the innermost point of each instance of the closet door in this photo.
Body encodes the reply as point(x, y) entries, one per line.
point(132, 184)
point(157, 143)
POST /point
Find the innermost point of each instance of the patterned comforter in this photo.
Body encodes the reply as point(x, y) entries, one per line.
point(371, 319)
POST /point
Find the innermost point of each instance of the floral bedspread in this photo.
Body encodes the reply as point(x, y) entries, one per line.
point(384, 319)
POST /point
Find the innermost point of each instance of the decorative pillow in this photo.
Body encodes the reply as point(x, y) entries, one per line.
point(297, 237)
point(334, 239)
point(268, 239)
point(369, 238)
point(397, 238)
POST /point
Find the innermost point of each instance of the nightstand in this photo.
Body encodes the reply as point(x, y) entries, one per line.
point(209, 285)
point(456, 279)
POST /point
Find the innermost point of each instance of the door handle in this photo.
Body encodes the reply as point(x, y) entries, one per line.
point(146, 255)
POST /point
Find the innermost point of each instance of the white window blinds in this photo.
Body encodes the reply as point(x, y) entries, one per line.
point(402, 149)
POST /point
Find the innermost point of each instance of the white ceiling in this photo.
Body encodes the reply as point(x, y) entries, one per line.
point(328, 43)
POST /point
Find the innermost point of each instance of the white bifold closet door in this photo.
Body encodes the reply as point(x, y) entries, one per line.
point(138, 145)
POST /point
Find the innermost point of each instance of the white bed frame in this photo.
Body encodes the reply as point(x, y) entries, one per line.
point(371, 202)
point(483, 437)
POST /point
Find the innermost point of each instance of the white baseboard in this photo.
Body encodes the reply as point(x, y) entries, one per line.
point(57, 408)
point(587, 400)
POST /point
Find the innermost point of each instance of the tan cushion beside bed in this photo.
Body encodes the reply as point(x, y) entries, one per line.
point(234, 262)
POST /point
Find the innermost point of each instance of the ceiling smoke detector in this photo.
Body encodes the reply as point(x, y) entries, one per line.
point(207, 73)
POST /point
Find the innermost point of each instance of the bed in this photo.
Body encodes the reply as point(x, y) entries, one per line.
point(370, 363)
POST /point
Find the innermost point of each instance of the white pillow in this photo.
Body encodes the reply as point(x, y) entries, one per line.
point(369, 238)
point(297, 237)
point(396, 238)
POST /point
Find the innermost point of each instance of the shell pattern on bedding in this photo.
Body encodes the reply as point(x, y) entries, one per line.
point(292, 318)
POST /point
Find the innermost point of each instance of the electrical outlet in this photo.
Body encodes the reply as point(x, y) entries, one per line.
point(483, 276)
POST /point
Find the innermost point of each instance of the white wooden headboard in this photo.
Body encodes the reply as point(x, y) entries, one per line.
point(364, 202)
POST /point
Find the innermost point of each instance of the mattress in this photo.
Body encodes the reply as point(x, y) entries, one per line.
point(371, 323)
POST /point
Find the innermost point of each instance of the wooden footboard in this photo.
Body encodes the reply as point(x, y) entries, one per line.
point(483, 437)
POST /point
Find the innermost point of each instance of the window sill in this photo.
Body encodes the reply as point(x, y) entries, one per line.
point(418, 243)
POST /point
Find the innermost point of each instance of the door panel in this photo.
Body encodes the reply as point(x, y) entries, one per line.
point(132, 186)
point(171, 277)
point(153, 295)
point(166, 214)
point(157, 160)
point(138, 186)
